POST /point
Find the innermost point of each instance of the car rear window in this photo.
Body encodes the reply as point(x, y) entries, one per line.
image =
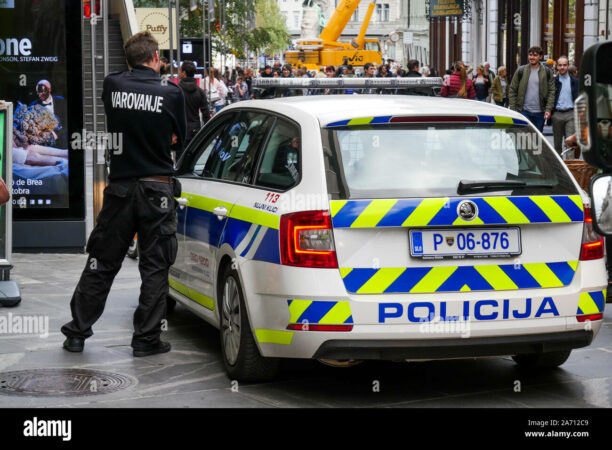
point(430, 160)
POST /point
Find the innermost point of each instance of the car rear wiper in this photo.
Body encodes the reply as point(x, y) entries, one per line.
point(468, 186)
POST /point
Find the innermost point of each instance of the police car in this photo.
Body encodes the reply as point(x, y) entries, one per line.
point(348, 228)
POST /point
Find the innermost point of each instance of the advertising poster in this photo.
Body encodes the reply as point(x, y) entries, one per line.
point(33, 77)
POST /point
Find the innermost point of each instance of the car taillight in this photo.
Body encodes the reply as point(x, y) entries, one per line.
point(306, 240)
point(586, 317)
point(592, 242)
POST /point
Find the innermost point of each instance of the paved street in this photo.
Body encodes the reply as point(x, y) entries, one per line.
point(191, 375)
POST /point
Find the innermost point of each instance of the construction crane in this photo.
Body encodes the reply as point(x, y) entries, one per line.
point(328, 51)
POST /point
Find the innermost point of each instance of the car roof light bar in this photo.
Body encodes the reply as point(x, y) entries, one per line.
point(348, 83)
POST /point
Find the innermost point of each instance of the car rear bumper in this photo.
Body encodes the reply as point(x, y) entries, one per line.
point(341, 349)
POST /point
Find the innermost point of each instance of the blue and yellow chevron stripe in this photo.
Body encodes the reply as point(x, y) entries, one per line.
point(433, 212)
point(591, 302)
point(318, 312)
point(500, 120)
point(424, 280)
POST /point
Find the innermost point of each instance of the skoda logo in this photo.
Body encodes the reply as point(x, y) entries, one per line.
point(467, 210)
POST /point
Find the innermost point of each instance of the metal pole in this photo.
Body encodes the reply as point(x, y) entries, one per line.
point(105, 29)
point(98, 166)
point(178, 34)
point(171, 41)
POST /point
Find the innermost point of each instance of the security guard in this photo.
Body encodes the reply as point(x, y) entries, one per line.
point(147, 114)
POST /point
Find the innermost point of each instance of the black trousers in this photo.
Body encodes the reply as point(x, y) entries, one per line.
point(130, 206)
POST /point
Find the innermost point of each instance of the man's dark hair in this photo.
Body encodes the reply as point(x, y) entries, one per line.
point(267, 67)
point(536, 49)
point(140, 48)
point(413, 64)
point(189, 68)
point(367, 66)
point(163, 59)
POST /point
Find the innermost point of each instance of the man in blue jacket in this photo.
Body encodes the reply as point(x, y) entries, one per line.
point(566, 91)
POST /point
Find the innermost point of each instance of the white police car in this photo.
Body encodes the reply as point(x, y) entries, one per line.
point(345, 228)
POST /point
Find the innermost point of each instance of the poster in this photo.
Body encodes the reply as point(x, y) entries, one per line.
point(33, 77)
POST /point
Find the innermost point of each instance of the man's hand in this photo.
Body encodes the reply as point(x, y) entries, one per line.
point(571, 142)
point(547, 115)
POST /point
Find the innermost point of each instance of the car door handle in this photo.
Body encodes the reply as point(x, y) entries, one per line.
point(220, 212)
point(182, 201)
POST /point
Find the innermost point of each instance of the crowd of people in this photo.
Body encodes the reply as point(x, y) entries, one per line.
point(542, 91)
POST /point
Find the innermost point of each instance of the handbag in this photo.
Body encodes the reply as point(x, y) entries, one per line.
point(4, 192)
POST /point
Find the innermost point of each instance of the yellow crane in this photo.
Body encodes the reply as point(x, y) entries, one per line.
point(328, 51)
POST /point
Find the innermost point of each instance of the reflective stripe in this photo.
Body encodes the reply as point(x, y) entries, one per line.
point(205, 301)
point(552, 209)
point(344, 271)
point(489, 277)
point(381, 280)
point(274, 336)
point(543, 275)
point(339, 314)
point(425, 212)
point(319, 312)
point(433, 279)
point(337, 206)
point(297, 308)
point(205, 203)
point(373, 213)
point(505, 208)
point(362, 121)
point(443, 211)
point(496, 278)
point(501, 120)
point(586, 304)
point(255, 216)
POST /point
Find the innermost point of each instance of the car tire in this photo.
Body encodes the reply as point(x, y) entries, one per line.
point(170, 305)
point(133, 249)
point(546, 360)
point(240, 354)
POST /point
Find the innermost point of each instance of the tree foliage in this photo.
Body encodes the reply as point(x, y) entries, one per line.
point(250, 25)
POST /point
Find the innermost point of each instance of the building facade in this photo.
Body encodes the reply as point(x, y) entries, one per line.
point(501, 32)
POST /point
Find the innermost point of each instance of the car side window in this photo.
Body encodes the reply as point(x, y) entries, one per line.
point(232, 158)
point(280, 166)
point(206, 149)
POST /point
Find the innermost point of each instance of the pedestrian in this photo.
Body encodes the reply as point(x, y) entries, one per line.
point(149, 114)
point(491, 76)
point(383, 71)
point(248, 78)
point(458, 85)
point(215, 90)
point(195, 100)
point(573, 71)
point(481, 84)
point(413, 69)
point(499, 89)
point(241, 89)
point(425, 71)
point(566, 91)
point(532, 90)
point(369, 72)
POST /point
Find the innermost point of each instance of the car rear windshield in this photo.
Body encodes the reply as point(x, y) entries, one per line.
point(431, 160)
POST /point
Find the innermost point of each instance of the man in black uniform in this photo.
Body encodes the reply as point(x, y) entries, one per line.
point(150, 115)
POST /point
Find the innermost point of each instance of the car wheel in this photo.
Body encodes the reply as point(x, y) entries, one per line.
point(133, 248)
point(547, 360)
point(241, 356)
point(170, 305)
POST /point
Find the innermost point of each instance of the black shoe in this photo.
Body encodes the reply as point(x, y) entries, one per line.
point(160, 347)
point(74, 344)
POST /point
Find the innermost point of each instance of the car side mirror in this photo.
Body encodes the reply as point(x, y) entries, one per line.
point(601, 204)
point(593, 108)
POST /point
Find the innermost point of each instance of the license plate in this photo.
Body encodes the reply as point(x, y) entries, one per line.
point(465, 242)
